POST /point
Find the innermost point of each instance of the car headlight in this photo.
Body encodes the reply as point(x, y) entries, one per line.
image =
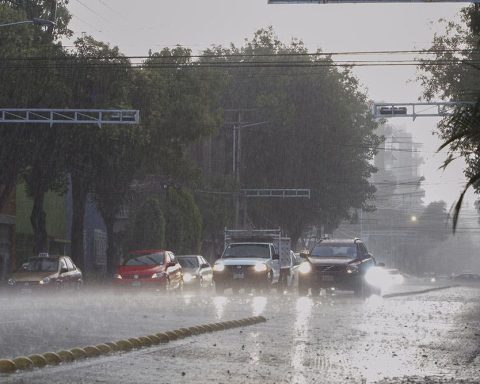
point(260, 267)
point(158, 275)
point(117, 276)
point(44, 281)
point(11, 282)
point(352, 269)
point(305, 268)
point(219, 267)
point(187, 277)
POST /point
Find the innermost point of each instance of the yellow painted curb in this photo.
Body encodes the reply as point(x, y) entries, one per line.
point(78, 353)
point(104, 349)
point(171, 335)
point(135, 342)
point(7, 366)
point(124, 345)
point(23, 362)
point(38, 360)
point(113, 346)
point(92, 351)
point(146, 342)
point(52, 358)
point(154, 339)
point(203, 328)
point(163, 337)
point(186, 331)
point(196, 330)
point(181, 333)
point(66, 356)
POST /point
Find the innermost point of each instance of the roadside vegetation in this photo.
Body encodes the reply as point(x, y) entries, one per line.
point(316, 132)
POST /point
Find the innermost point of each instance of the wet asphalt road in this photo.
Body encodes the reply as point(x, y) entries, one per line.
point(432, 337)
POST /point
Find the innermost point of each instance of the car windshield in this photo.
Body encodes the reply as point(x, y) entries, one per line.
point(40, 265)
point(247, 250)
point(188, 262)
point(149, 259)
point(334, 250)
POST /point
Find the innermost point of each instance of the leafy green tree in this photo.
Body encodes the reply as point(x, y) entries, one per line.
point(458, 79)
point(149, 226)
point(319, 132)
point(31, 150)
point(183, 221)
point(98, 76)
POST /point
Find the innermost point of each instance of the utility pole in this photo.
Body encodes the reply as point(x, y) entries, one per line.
point(240, 195)
point(237, 137)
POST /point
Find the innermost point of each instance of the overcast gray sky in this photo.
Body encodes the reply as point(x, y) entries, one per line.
point(137, 26)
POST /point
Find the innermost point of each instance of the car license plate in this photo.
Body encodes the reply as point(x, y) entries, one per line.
point(327, 278)
point(136, 284)
point(238, 275)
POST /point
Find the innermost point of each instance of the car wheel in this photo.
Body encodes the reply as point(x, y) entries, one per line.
point(168, 286)
point(179, 289)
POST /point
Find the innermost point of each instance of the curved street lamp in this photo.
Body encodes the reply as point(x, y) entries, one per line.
point(35, 21)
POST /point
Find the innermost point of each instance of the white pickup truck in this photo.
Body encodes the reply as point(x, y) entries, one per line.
point(251, 260)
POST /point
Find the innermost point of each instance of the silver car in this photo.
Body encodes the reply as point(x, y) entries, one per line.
point(197, 272)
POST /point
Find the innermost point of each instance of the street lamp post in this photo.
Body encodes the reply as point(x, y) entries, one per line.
point(35, 21)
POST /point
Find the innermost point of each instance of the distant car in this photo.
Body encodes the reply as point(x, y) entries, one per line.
point(151, 268)
point(46, 271)
point(338, 264)
point(384, 278)
point(197, 272)
point(467, 278)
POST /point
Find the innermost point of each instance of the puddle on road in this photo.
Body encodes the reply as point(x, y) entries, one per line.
point(301, 327)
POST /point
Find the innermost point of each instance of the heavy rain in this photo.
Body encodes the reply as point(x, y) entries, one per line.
point(255, 191)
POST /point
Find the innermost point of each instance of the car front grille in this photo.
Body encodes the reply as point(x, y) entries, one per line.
point(330, 268)
point(137, 276)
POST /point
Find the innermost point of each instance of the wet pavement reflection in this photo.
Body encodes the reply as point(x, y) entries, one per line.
point(336, 338)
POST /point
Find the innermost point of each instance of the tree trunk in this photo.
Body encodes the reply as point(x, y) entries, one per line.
point(39, 223)
point(79, 199)
point(5, 193)
point(111, 251)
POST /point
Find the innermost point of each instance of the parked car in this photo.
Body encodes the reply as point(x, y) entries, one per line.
point(338, 264)
point(197, 272)
point(150, 268)
point(45, 271)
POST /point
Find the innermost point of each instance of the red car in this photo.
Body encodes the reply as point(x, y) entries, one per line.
point(150, 268)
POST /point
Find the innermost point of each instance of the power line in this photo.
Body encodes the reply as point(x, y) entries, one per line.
point(92, 10)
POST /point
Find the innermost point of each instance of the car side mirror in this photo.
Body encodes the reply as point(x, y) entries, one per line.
point(63, 270)
point(171, 264)
point(275, 256)
point(304, 255)
point(205, 265)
